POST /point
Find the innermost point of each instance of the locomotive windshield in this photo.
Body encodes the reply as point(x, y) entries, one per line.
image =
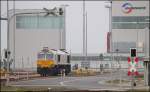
point(46, 56)
point(49, 56)
point(41, 56)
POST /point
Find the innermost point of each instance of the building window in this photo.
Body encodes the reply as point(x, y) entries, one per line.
point(129, 25)
point(132, 22)
point(49, 56)
point(39, 22)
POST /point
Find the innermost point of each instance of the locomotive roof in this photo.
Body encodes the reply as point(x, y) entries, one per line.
point(54, 51)
point(58, 52)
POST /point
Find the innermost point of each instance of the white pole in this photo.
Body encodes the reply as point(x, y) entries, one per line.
point(22, 63)
point(28, 63)
point(86, 40)
point(14, 27)
point(83, 27)
point(120, 70)
point(111, 74)
point(109, 6)
point(63, 35)
point(64, 41)
point(137, 38)
point(0, 36)
point(7, 42)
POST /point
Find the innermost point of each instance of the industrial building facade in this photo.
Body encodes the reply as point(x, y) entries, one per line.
point(30, 31)
point(129, 27)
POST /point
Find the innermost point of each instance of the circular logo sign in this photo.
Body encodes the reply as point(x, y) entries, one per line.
point(127, 8)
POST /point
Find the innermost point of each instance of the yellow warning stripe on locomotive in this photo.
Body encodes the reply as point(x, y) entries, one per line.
point(45, 63)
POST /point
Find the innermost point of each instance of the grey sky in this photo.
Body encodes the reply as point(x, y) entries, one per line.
point(98, 23)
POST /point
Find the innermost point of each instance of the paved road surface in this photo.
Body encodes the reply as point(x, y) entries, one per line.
point(84, 83)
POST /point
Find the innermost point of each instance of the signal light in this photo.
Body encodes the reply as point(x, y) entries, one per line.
point(60, 11)
point(133, 52)
point(7, 53)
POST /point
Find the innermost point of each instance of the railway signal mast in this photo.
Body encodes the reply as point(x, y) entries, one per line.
point(132, 60)
point(132, 69)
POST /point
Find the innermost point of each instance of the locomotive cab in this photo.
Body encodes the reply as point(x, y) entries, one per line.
point(52, 62)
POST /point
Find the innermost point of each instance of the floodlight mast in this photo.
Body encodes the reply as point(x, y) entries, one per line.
point(0, 34)
point(84, 31)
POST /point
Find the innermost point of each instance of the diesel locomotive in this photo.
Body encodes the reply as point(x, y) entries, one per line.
point(53, 62)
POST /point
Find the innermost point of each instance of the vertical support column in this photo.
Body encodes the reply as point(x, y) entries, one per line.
point(145, 73)
point(132, 80)
point(14, 34)
point(8, 42)
point(0, 36)
point(64, 29)
point(148, 75)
